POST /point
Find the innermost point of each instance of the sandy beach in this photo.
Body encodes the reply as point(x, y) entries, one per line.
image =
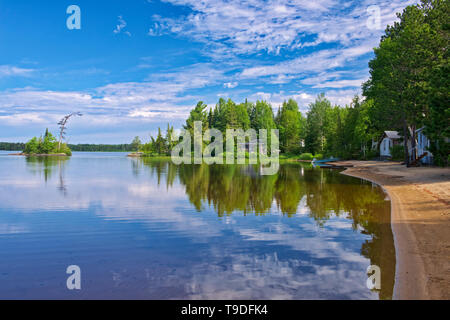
point(420, 200)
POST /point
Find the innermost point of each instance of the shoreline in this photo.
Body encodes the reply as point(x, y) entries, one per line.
point(39, 155)
point(420, 221)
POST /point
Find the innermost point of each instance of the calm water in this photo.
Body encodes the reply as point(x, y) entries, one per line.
point(152, 230)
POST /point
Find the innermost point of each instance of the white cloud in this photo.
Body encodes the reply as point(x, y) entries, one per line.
point(10, 71)
point(162, 98)
point(341, 83)
point(121, 26)
point(254, 25)
point(316, 62)
point(230, 85)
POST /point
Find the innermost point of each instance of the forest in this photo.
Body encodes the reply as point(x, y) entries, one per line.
point(325, 130)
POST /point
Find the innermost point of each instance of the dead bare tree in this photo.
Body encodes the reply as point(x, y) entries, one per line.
point(62, 126)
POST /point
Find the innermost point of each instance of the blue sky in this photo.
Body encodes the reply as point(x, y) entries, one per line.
point(139, 64)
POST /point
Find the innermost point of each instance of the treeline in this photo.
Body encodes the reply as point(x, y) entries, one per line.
point(12, 146)
point(325, 130)
point(19, 146)
point(102, 147)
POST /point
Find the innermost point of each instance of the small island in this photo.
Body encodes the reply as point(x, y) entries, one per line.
point(45, 146)
point(48, 145)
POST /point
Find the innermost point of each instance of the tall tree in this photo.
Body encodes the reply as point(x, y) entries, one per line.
point(261, 116)
point(290, 122)
point(159, 144)
point(437, 122)
point(197, 114)
point(170, 139)
point(400, 74)
point(317, 122)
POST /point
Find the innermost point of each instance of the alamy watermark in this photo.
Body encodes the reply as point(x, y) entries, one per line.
point(374, 280)
point(74, 20)
point(74, 280)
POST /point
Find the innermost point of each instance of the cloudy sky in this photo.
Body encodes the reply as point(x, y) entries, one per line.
point(136, 65)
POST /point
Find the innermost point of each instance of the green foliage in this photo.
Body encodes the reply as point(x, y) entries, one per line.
point(48, 144)
point(437, 122)
point(342, 132)
point(45, 145)
point(369, 155)
point(261, 116)
point(65, 149)
point(397, 152)
point(12, 146)
point(306, 156)
point(32, 146)
point(291, 125)
point(197, 114)
point(162, 145)
point(136, 144)
point(101, 147)
point(318, 124)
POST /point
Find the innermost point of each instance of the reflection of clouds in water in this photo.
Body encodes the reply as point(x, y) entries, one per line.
point(267, 277)
point(227, 275)
point(318, 244)
point(148, 191)
point(29, 183)
point(111, 199)
point(303, 207)
point(12, 229)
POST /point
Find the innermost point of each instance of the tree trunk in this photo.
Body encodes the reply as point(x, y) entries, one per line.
point(413, 144)
point(405, 140)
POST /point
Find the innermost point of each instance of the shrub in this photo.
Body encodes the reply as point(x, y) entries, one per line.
point(32, 146)
point(306, 156)
point(370, 155)
point(65, 149)
point(397, 152)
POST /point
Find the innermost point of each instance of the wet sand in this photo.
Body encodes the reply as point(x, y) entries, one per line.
point(420, 217)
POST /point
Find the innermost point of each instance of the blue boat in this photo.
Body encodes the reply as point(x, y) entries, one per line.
point(332, 159)
point(323, 163)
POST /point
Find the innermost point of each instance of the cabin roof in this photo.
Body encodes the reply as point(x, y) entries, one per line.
point(392, 134)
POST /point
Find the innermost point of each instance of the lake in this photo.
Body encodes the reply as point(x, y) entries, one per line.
point(147, 229)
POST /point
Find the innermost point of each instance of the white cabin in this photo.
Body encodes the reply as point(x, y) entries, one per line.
point(388, 140)
point(391, 138)
point(422, 146)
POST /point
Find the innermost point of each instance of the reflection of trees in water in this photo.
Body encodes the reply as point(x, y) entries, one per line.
point(326, 193)
point(47, 166)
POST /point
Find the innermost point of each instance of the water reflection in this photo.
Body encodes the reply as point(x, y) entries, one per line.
point(148, 229)
point(324, 193)
point(47, 166)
